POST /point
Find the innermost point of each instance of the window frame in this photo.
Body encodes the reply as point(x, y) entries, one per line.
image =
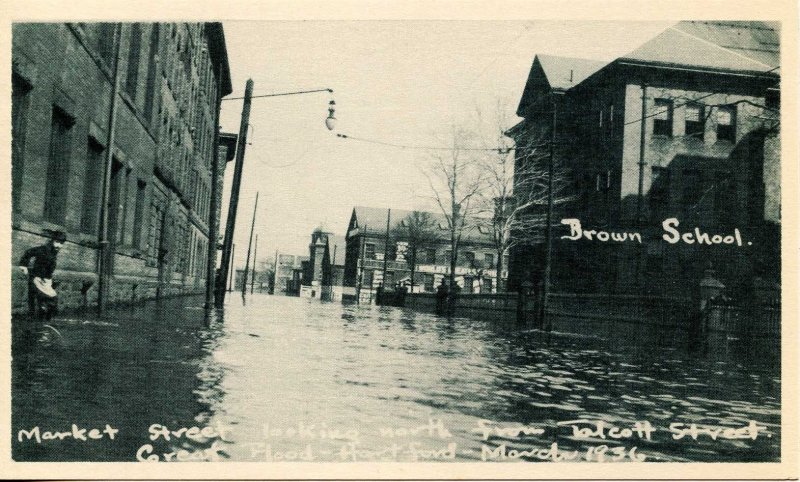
point(695, 128)
point(663, 127)
point(726, 132)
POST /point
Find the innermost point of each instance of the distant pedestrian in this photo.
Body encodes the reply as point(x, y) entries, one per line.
point(42, 297)
point(442, 293)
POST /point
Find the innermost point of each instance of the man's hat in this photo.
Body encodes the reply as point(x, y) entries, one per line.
point(59, 236)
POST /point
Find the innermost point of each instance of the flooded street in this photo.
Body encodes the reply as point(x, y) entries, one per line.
point(284, 378)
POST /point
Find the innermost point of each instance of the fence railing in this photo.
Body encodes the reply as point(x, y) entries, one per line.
point(760, 319)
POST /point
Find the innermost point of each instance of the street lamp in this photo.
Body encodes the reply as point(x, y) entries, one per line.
point(330, 122)
point(227, 245)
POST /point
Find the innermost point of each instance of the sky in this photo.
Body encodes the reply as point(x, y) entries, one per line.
point(401, 82)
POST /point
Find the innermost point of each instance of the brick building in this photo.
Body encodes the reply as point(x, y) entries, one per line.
point(686, 127)
point(160, 171)
point(366, 243)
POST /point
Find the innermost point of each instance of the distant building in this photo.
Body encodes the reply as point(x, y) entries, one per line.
point(685, 127)
point(160, 171)
point(284, 275)
point(366, 244)
point(324, 272)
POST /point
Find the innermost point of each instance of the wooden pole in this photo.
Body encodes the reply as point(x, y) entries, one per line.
point(361, 266)
point(253, 277)
point(230, 261)
point(249, 246)
point(549, 227)
point(235, 186)
point(386, 248)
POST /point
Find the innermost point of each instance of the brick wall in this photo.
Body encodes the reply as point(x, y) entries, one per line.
point(64, 69)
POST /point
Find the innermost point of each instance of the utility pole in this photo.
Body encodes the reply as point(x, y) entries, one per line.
point(253, 277)
point(249, 245)
point(237, 181)
point(386, 249)
point(640, 193)
point(642, 139)
point(549, 228)
point(213, 220)
point(104, 256)
point(361, 266)
point(230, 281)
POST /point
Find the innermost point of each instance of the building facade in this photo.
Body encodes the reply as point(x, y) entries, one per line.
point(284, 274)
point(324, 271)
point(685, 128)
point(158, 158)
point(367, 257)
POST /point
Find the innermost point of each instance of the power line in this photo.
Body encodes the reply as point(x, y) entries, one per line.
point(501, 150)
point(281, 94)
point(694, 101)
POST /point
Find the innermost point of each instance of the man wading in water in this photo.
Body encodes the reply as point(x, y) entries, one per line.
point(42, 298)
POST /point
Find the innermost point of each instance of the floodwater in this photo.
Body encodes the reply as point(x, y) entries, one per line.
point(283, 378)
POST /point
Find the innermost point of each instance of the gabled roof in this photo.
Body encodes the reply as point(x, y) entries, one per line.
point(566, 72)
point(748, 47)
point(728, 46)
point(551, 73)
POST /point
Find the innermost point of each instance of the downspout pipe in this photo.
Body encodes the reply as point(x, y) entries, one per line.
point(103, 273)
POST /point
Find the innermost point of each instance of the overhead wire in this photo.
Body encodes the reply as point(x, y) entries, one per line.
point(509, 149)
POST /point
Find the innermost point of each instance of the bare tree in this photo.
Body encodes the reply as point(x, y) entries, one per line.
point(515, 192)
point(456, 180)
point(419, 230)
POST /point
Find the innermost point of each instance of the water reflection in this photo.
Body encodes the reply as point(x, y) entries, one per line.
point(293, 378)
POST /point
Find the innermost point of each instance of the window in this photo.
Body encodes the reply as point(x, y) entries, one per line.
point(134, 51)
point(428, 282)
point(469, 258)
point(488, 259)
point(389, 281)
point(369, 251)
point(368, 277)
point(56, 186)
point(469, 283)
point(486, 287)
point(19, 115)
point(662, 120)
point(447, 254)
point(726, 123)
point(123, 206)
point(603, 181)
point(430, 256)
point(154, 231)
point(93, 180)
point(695, 121)
point(138, 213)
point(152, 84)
